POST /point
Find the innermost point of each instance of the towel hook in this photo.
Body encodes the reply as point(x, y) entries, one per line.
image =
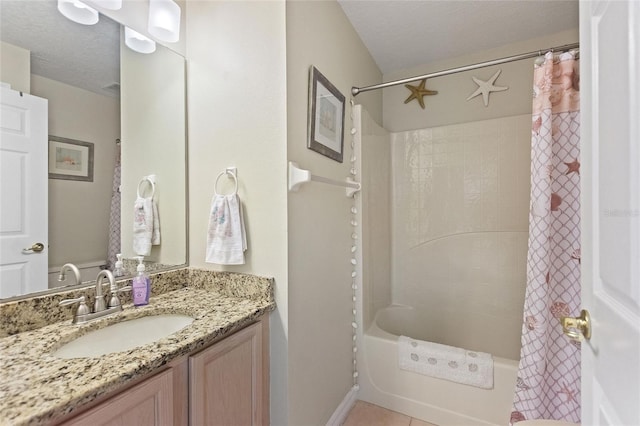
point(231, 171)
point(152, 180)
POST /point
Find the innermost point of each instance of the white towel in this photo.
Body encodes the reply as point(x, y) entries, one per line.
point(146, 226)
point(446, 362)
point(226, 238)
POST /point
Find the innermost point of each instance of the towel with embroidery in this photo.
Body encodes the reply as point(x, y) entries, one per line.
point(226, 238)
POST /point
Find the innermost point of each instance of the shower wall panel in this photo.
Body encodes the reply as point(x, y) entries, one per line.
point(460, 223)
point(375, 153)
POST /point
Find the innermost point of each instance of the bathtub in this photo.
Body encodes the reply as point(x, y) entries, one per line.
point(433, 400)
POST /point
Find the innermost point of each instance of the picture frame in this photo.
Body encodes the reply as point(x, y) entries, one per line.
point(70, 159)
point(326, 117)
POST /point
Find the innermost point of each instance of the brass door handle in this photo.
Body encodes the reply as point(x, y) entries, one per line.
point(36, 248)
point(577, 328)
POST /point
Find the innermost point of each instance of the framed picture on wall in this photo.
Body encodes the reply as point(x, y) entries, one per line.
point(326, 117)
point(70, 159)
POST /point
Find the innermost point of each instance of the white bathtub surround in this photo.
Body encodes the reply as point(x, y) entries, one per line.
point(437, 401)
point(457, 200)
point(446, 362)
point(460, 220)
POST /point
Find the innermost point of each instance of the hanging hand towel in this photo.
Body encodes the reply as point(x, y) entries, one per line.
point(226, 239)
point(446, 362)
point(155, 236)
point(146, 226)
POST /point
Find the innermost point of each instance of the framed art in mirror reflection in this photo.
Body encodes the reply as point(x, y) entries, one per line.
point(70, 159)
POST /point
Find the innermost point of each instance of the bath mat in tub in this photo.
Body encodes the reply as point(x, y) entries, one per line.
point(446, 362)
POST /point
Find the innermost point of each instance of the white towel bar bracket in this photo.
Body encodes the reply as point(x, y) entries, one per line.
point(298, 176)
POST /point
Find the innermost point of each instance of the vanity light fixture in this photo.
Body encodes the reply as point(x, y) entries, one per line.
point(78, 12)
point(164, 20)
point(109, 4)
point(137, 42)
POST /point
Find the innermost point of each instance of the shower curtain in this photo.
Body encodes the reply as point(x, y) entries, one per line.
point(114, 217)
point(548, 384)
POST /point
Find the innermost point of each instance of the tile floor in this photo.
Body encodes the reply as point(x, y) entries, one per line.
point(365, 414)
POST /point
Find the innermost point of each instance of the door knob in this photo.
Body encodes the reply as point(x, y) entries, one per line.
point(37, 248)
point(577, 328)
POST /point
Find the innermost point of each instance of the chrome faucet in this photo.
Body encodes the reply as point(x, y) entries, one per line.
point(69, 267)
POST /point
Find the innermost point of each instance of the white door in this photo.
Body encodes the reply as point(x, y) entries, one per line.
point(610, 97)
point(23, 193)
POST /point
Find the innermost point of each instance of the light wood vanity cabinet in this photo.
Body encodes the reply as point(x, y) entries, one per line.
point(147, 403)
point(226, 384)
point(225, 381)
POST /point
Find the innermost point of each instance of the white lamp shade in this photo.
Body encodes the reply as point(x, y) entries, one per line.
point(164, 20)
point(109, 4)
point(136, 41)
point(78, 12)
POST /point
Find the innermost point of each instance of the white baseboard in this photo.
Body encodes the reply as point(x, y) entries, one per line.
point(341, 413)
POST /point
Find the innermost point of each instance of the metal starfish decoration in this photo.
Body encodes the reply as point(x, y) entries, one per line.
point(486, 87)
point(419, 92)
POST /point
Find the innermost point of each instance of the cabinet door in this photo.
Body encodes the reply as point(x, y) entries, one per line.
point(226, 381)
point(148, 403)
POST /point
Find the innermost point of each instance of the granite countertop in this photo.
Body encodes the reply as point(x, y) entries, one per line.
point(36, 387)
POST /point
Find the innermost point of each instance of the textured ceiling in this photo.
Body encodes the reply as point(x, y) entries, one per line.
point(402, 34)
point(399, 34)
point(83, 56)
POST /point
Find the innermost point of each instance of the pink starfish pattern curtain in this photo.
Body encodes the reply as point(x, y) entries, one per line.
point(548, 385)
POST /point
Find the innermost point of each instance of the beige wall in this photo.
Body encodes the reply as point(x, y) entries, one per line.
point(15, 67)
point(237, 117)
point(320, 344)
point(153, 142)
point(450, 106)
point(79, 211)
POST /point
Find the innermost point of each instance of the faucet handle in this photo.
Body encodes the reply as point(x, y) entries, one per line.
point(82, 309)
point(115, 301)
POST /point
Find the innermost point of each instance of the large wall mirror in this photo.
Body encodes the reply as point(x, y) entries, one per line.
point(132, 108)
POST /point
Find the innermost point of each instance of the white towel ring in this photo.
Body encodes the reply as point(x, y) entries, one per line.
point(233, 176)
point(153, 186)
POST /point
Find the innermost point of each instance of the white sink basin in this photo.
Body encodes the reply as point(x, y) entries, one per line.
point(123, 336)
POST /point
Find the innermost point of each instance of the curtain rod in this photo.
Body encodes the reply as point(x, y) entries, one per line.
point(356, 90)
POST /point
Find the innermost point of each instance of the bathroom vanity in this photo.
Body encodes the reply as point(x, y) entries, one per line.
point(223, 384)
point(213, 371)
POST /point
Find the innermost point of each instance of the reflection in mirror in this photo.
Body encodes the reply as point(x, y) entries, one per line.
point(101, 92)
